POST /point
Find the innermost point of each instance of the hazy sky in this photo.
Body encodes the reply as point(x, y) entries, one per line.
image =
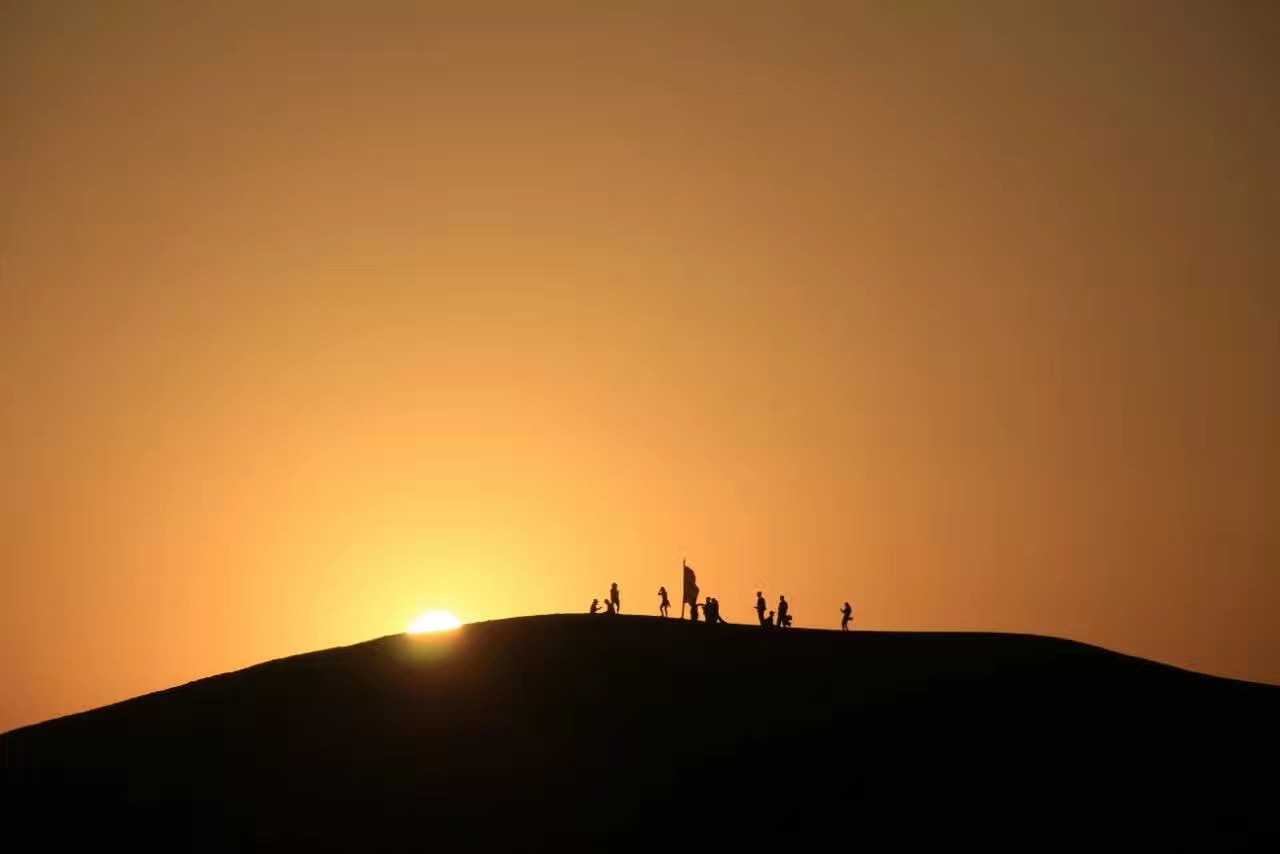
point(314, 316)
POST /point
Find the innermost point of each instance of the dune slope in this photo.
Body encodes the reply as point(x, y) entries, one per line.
point(605, 733)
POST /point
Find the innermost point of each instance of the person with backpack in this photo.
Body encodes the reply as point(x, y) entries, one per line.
point(666, 603)
point(846, 617)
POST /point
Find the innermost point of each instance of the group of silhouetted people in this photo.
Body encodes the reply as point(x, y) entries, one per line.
point(782, 614)
point(612, 605)
point(710, 609)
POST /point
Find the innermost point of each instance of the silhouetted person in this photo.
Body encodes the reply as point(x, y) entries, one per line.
point(693, 611)
point(784, 615)
point(666, 603)
point(595, 606)
point(614, 599)
point(846, 615)
point(719, 619)
point(760, 606)
point(609, 607)
point(767, 621)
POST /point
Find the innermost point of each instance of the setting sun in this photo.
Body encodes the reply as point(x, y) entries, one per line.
point(434, 621)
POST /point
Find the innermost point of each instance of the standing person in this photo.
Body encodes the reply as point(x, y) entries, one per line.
point(666, 603)
point(846, 616)
point(760, 606)
point(784, 610)
point(614, 598)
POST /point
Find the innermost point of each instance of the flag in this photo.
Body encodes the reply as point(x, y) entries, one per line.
point(690, 586)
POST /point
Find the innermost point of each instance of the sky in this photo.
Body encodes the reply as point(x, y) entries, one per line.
point(316, 316)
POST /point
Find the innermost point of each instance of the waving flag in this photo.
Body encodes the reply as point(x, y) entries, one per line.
point(690, 586)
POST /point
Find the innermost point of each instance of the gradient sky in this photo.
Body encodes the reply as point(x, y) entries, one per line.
point(314, 316)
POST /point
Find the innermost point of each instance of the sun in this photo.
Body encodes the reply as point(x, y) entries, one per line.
point(434, 621)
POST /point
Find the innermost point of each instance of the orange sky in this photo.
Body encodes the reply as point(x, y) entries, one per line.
point(315, 318)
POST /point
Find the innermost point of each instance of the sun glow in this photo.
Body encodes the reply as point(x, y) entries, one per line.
point(434, 621)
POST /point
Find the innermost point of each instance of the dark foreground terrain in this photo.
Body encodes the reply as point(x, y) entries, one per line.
point(599, 733)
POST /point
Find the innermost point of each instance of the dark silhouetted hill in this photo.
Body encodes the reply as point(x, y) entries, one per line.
point(605, 733)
